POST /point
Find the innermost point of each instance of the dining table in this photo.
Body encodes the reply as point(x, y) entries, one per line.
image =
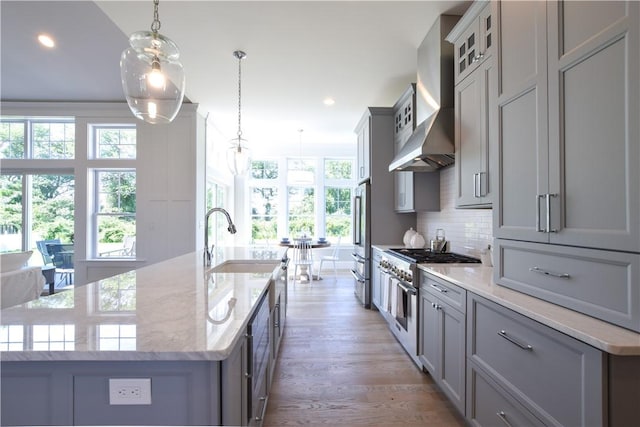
point(313, 244)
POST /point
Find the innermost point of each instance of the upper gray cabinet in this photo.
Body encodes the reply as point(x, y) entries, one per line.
point(414, 191)
point(473, 39)
point(475, 94)
point(568, 135)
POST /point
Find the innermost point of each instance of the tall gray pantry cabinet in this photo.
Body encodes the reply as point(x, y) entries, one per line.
point(567, 219)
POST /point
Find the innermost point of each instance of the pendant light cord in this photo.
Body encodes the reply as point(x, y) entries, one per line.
point(155, 25)
point(239, 56)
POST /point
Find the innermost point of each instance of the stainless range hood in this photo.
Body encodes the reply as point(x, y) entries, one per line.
point(431, 145)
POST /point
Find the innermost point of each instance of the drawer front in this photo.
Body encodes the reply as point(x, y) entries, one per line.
point(557, 377)
point(490, 405)
point(602, 284)
point(447, 292)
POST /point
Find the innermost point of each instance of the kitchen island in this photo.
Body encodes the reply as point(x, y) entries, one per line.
point(180, 325)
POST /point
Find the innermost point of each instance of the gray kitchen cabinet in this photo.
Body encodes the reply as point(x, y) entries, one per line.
point(567, 148)
point(472, 39)
point(375, 136)
point(475, 119)
point(489, 404)
point(414, 191)
point(568, 143)
point(441, 341)
point(558, 379)
point(234, 387)
point(76, 392)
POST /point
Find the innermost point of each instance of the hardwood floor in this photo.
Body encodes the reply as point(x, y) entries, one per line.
point(340, 365)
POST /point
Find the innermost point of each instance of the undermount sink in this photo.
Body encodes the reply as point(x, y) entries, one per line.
point(245, 266)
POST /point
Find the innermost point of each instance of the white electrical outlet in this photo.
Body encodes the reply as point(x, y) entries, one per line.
point(130, 391)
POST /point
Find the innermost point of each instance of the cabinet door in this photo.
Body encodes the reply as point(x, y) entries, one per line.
point(466, 51)
point(364, 139)
point(429, 333)
point(522, 143)
point(452, 354)
point(469, 144)
point(594, 131)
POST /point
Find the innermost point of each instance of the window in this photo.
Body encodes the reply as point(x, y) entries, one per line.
point(37, 197)
point(116, 337)
point(338, 179)
point(313, 196)
point(11, 337)
point(302, 209)
point(115, 213)
point(46, 202)
point(115, 142)
point(37, 138)
point(114, 190)
point(263, 203)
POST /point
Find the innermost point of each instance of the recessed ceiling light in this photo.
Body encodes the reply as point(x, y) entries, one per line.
point(329, 101)
point(46, 40)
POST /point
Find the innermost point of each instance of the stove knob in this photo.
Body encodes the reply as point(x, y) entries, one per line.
point(409, 278)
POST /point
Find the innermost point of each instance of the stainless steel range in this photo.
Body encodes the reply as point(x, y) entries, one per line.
point(400, 291)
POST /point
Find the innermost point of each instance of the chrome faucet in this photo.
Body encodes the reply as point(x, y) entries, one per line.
point(208, 253)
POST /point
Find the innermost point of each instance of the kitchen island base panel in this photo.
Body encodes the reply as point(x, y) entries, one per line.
point(77, 393)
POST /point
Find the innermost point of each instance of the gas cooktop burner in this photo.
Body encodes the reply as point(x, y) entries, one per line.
point(420, 256)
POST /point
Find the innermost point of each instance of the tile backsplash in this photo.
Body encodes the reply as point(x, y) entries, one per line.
point(468, 231)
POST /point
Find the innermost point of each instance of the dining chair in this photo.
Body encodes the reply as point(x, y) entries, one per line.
point(47, 259)
point(62, 256)
point(303, 258)
point(334, 257)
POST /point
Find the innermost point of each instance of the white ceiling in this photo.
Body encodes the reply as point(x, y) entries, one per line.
point(360, 53)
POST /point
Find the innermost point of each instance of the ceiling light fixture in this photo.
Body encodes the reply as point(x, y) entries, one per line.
point(329, 101)
point(238, 154)
point(152, 74)
point(46, 40)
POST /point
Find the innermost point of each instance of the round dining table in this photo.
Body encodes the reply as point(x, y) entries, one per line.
point(314, 244)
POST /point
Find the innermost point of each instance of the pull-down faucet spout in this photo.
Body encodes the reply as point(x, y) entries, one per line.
point(208, 253)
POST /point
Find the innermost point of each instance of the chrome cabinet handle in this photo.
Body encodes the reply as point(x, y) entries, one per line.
point(439, 289)
point(550, 273)
point(548, 199)
point(538, 228)
point(504, 335)
point(436, 306)
point(475, 185)
point(503, 417)
point(481, 193)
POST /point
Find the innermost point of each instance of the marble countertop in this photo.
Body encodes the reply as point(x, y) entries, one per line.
point(174, 310)
point(597, 333)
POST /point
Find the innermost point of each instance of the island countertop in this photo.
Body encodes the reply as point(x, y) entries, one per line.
point(174, 310)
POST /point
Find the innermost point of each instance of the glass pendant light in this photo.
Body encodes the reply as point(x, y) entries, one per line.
point(238, 154)
point(298, 175)
point(152, 75)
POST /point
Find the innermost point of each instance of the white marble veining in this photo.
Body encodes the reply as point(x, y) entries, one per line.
point(602, 335)
point(173, 310)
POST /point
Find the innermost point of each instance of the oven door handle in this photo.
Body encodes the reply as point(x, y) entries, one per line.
point(358, 258)
point(357, 276)
point(407, 288)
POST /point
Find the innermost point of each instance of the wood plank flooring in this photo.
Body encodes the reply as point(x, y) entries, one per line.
point(340, 365)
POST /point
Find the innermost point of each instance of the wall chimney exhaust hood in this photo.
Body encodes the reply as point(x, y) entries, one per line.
point(431, 145)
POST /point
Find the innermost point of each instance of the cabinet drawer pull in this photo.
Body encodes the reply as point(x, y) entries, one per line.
point(504, 335)
point(436, 306)
point(503, 417)
point(439, 289)
point(550, 273)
